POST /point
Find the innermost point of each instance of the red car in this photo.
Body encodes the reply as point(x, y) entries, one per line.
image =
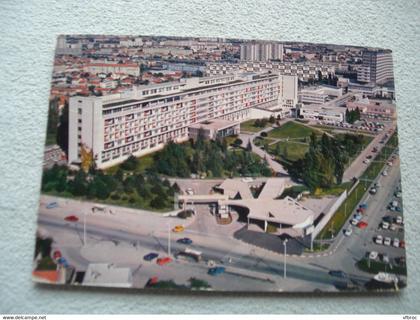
point(56, 254)
point(152, 281)
point(402, 244)
point(71, 218)
point(163, 261)
point(362, 225)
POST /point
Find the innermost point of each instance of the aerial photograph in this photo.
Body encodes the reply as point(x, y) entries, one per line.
point(219, 164)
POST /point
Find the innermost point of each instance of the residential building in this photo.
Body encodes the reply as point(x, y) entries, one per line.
point(370, 108)
point(377, 67)
point(304, 71)
point(261, 51)
point(141, 120)
point(122, 68)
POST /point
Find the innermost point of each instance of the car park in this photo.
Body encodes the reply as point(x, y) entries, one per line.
point(184, 241)
point(379, 239)
point(396, 243)
point(150, 256)
point(215, 271)
point(387, 241)
point(163, 261)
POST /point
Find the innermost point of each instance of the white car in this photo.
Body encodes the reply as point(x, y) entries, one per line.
point(189, 191)
point(399, 220)
point(373, 255)
point(247, 179)
point(385, 225)
point(366, 161)
point(379, 239)
point(396, 243)
point(385, 173)
point(387, 241)
point(393, 227)
point(354, 221)
point(389, 163)
point(348, 232)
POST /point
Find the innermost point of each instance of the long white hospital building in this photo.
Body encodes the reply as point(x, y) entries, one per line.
point(143, 119)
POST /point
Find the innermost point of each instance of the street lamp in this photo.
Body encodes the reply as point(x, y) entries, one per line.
point(284, 261)
point(169, 238)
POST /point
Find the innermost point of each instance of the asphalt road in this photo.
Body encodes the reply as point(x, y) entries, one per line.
point(268, 265)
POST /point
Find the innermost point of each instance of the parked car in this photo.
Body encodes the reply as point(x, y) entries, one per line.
point(396, 243)
point(362, 225)
point(150, 256)
point(358, 216)
point(385, 258)
point(385, 225)
point(163, 261)
point(388, 219)
point(379, 239)
point(189, 191)
point(71, 218)
point(152, 281)
point(402, 244)
point(184, 241)
point(373, 255)
point(216, 271)
point(387, 241)
point(366, 161)
point(348, 231)
point(385, 173)
point(52, 205)
point(338, 273)
point(178, 228)
point(354, 221)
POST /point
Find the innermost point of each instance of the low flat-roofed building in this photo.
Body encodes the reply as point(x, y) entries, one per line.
point(107, 275)
point(322, 113)
point(373, 108)
point(319, 95)
point(213, 129)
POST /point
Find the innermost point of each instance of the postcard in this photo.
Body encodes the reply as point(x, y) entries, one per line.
point(221, 165)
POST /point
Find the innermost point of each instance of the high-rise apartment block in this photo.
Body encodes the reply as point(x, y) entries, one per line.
point(377, 67)
point(145, 118)
point(261, 51)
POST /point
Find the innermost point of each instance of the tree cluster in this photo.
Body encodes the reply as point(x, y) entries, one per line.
point(323, 165)
point(139, 190)
point(352, 115)
point(208, 158)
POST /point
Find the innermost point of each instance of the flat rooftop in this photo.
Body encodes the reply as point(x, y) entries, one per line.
point(216, 124)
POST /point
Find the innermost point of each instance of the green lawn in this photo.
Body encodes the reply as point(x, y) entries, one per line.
point(249, 126)
point(145, 162)
point(290, 151)
point(291, 130)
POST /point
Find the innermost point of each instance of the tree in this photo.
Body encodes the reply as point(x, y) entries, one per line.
point(285, 152)
point(53, 118)
point(63, 129)
point(86, 156)
point(157, 202)
point(249, 146)
point(130, 164)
